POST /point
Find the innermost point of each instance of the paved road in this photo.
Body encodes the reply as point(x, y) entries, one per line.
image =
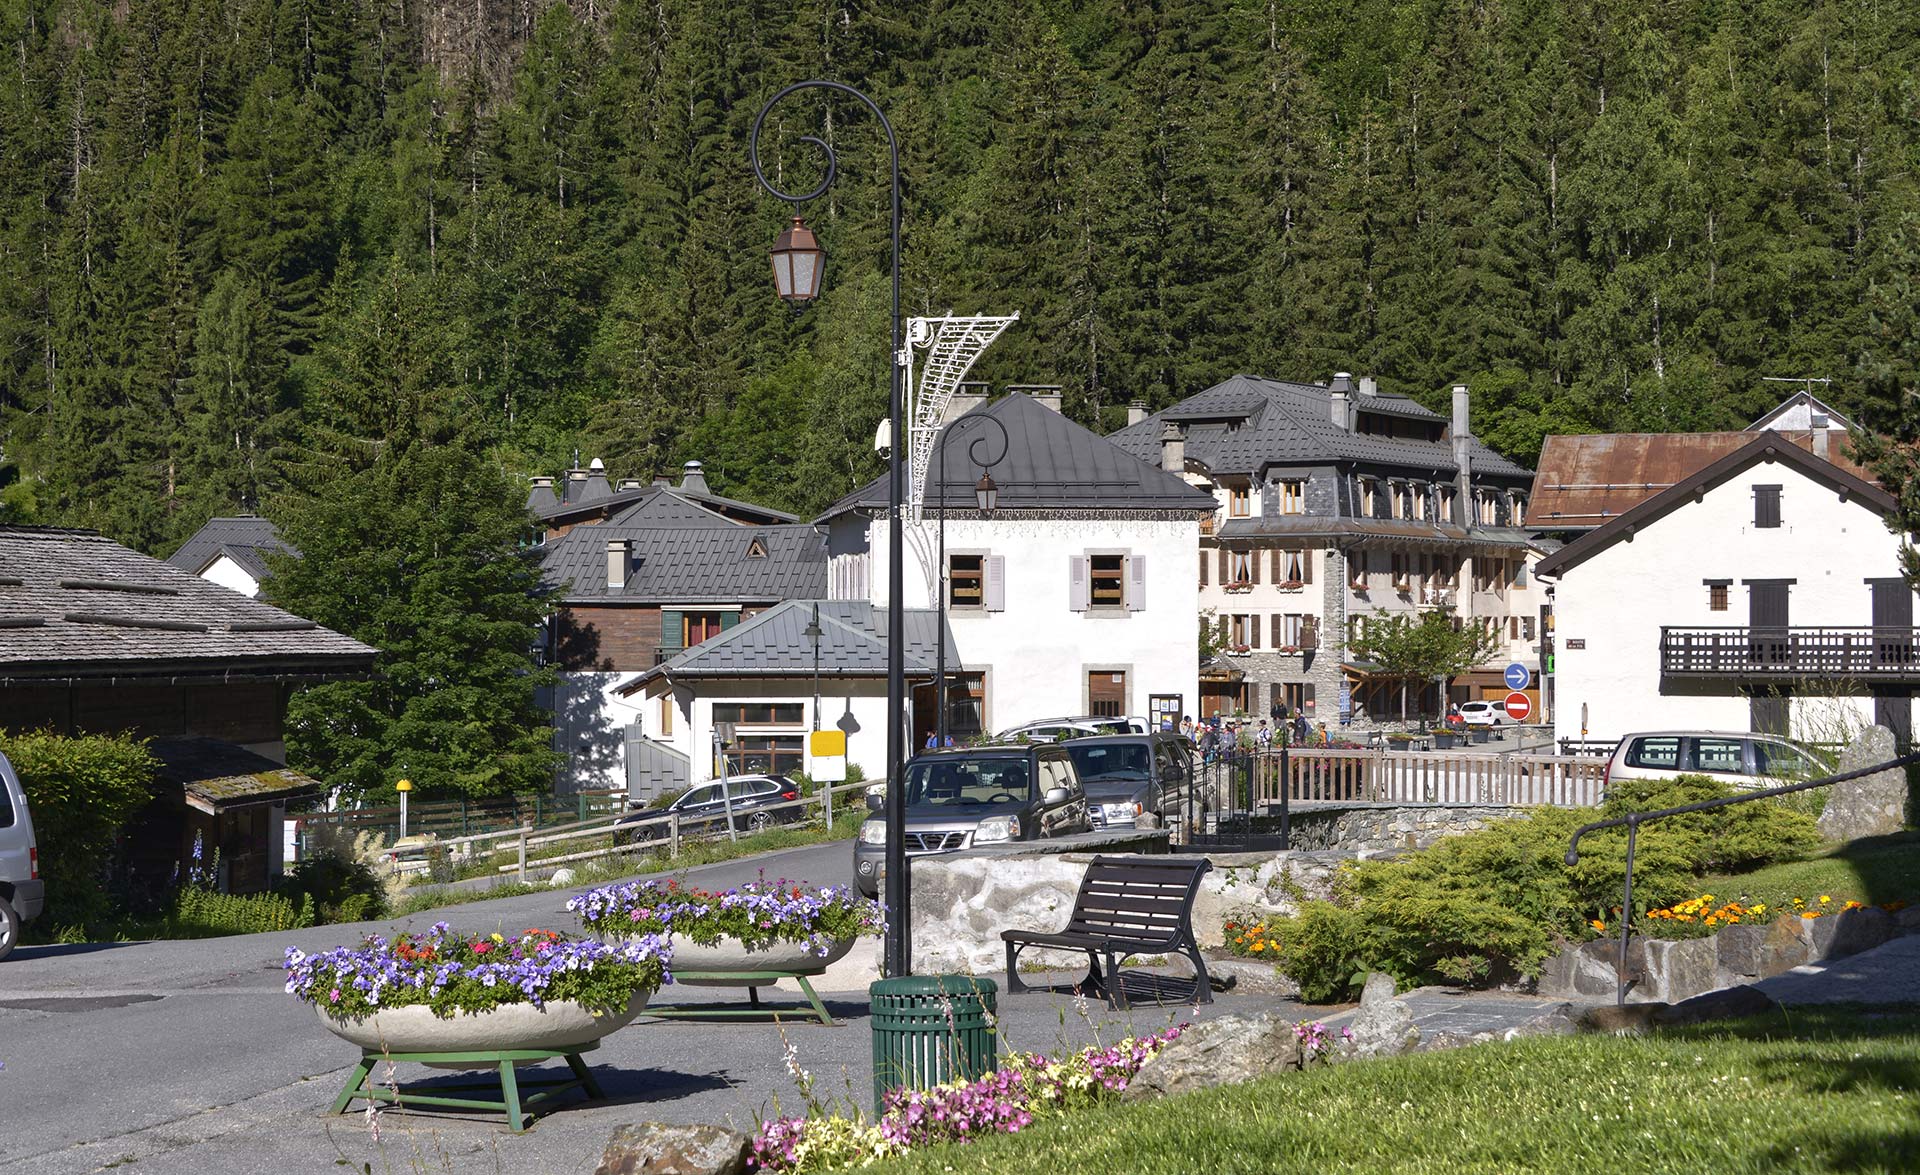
point(189, 1057)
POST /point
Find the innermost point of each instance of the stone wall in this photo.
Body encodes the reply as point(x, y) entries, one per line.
point(1386, 829)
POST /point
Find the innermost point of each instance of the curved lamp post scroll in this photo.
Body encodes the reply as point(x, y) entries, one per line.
point(986, 495)
point(798, 262)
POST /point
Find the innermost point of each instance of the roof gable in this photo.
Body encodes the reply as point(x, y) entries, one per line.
point(1050, 463)
point(1763, 447)
point(246, 540)
point(689, 564)
point(1797, 412)
point(853, 642)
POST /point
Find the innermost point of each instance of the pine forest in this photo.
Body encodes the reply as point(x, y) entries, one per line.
point(248, 247)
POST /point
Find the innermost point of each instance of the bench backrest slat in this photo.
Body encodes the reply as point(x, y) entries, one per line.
point(1139, 899)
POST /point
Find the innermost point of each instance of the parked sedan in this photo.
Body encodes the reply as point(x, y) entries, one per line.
point(1492, 713)
point(702, 809)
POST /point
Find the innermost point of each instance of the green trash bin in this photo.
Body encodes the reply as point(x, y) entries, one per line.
point(931, 1029)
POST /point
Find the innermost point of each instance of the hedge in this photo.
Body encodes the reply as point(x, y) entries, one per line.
point(81, 791)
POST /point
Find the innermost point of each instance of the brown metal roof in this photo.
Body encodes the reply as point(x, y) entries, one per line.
point(1771, 446)
point(1586, 481)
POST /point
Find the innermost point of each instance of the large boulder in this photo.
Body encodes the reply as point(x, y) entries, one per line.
point(1739, 950)
point(1671, 971)
point(1859, 929)
point(1588, 969)
point(660, 1148)
point(1383, 1027)
point(1225, 1051)
point(1873, 805)
point(1787, 946)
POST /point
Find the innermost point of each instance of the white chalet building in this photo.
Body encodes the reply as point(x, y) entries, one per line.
point(1761, 592)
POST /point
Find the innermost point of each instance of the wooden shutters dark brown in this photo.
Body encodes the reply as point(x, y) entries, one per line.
point(1892, 622)
point(1766, 507)
point(1767, 620)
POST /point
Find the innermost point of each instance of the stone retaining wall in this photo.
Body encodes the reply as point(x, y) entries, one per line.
point(1383, 829)
point(1665, 971)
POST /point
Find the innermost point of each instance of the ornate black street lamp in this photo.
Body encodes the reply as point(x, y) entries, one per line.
point(797, 264)
point(986, 495)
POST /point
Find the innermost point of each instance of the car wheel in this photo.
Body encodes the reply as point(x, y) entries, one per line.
point(759, 822)
point(9, 928)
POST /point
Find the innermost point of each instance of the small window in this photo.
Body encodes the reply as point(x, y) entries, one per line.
point(698, 626)
point(1717, 597)
point(1766, 507)
point(1720, 755)
point(1366, 497)
point(756, 550)
point(1107, 586)
point(1659, 753)
point(1237, 501)
point(966, 581)
point(1292, 497)
point(760, 713)
point(1240, 564)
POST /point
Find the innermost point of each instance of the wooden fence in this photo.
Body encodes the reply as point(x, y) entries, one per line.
point(1417, 778)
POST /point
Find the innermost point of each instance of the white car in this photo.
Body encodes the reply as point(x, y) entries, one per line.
point(1485, 714)
point(1049, 730)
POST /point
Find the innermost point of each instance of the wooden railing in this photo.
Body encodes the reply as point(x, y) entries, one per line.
point(1878, 653)
point(1418, 778)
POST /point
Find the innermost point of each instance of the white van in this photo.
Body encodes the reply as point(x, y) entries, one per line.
point(1742, 759)
point(22, 893)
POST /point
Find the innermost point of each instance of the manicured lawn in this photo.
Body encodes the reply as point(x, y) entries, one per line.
point(1874, 871)
point(1832, 1090)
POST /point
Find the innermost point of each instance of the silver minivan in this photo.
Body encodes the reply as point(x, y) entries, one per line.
point(1741, 759)
point(22, 893)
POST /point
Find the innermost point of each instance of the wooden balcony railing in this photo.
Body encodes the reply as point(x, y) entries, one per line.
point(1867, 653)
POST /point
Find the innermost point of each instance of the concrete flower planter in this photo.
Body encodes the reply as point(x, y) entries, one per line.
point(560, 1026)
point(729, 954)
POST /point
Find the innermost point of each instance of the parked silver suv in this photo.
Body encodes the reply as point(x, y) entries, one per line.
point(22, 893)
point(1746, 760)
point(964, 797)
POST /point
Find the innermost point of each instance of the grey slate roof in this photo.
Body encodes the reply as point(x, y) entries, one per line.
point(1051, 463)
point(74, 604)
point(663, 507)
point(689, 564)
point(1247, 423)
point(586, 502)
point(853, 642)
point(247, 541)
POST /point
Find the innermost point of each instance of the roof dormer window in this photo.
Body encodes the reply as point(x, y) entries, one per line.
point(756, 550)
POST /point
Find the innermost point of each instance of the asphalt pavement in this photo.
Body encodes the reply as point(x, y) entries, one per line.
point(189, 1057)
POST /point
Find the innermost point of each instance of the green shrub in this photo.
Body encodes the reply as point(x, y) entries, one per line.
point(1496, 903)
point(341, 887)
point(202, 913)
point(81, 791)
point(666, 798)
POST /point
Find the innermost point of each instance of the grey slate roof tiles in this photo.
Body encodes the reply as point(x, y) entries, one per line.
point(1253, 422)
point(73, 603)
point(687, 564)
point(247, 541)
point(774, 643)
point(1051, 463)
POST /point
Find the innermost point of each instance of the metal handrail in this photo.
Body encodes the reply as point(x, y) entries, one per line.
point(1633, 820)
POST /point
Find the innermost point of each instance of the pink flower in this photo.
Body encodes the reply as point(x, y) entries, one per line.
point(334, 995)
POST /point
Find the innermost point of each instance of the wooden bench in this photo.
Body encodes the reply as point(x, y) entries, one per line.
point(1125, 906)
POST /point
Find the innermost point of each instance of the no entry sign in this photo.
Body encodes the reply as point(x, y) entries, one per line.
point(1519, 706)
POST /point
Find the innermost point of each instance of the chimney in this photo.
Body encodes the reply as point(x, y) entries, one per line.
point(1340, 394)
point(1047, 394)
point(1369, 386)
point(971, 395)
point(595, 487)
point(1820, 442)
point(619, 559)
point(1462, 457)
point(576, 485)
point(662, 482)
point(692, 479)
point(540, 497)
point(629, 484)
point(1136, 412)
point(1173, 449)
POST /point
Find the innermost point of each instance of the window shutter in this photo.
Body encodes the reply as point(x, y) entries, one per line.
point(728, 620)
point(1306, 565)
point(1253, 566)
point(670, 632)
point(1253, 631)
point(1226, 575)
point(1203, 569)
point(1077, 583)
point(1137, 582)
point(996, 583)
point(1766, 506)
point(1279, 575)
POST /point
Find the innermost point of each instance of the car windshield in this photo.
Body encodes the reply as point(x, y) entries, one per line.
point(1111, 760)
point(953, 783)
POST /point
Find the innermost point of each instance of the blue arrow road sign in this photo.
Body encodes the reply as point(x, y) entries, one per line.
point(1518, 676)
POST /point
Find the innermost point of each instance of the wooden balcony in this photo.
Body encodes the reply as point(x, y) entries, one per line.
point(1790, 653)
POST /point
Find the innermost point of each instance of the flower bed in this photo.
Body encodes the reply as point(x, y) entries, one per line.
point(758, 914)
point(1702, 916)
point(450, 972)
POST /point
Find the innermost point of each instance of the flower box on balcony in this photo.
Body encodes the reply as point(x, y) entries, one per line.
point(1238, 587)
point(1290, 585)
point(1403, 587)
